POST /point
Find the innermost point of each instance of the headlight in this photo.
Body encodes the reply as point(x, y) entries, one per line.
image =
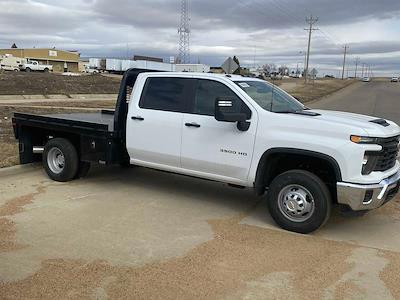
point(369, 162)
point(363, 139)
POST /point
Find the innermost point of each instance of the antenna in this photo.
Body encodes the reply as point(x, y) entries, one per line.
point(184, 34)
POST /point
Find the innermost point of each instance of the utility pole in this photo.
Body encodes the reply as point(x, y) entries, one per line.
point(344, 60)
point(357, 62)
point(311, 21)
point(362, 74)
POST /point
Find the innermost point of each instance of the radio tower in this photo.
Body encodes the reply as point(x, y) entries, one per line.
point(184, 34)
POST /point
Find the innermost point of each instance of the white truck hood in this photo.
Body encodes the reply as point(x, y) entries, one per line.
point(359, 121)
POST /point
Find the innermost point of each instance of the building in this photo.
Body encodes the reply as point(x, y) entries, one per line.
point(83, 64)
point(62, 61)
point(196, 68)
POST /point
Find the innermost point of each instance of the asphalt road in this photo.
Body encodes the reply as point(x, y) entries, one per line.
point(376, 98)
point(143, 234)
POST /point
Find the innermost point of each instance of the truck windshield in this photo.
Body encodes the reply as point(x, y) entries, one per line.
point(270, 97)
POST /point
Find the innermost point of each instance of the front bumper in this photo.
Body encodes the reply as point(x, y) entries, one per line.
point(366, 197)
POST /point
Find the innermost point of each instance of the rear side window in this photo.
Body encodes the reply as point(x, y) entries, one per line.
point(207, 92)
point(167, 94)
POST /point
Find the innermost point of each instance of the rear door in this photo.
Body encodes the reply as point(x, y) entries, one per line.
point(213, 149)
point(154, 125)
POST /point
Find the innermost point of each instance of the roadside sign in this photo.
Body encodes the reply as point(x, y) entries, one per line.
point(230, 66)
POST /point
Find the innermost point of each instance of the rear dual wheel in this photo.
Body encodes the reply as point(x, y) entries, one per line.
point(61, 161)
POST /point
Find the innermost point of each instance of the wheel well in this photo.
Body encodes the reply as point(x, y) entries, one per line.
point(277, 161)
point(39, 137)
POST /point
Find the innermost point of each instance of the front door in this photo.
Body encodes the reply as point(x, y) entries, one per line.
point(214, 149)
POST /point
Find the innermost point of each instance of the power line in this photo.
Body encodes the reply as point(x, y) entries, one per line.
point(311, 21)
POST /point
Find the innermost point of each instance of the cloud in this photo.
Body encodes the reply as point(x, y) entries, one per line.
point(256, 30)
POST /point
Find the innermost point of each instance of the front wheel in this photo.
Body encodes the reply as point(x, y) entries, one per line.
point(60, 160)
point(299, 201)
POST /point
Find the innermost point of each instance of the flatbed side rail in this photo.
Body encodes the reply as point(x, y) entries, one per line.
point(54, 123)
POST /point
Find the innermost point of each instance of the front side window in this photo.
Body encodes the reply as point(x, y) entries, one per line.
point(270, 97)
point(166, 94)
point(207, 92)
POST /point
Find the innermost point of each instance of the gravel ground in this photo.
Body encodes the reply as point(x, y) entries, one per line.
point(50, 230)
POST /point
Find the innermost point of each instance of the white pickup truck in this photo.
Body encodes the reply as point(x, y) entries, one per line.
point(35, 66)
point(241, 131)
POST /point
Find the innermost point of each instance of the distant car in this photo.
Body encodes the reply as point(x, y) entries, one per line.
point(366, 79)
point(394, 79)
point(33, 65)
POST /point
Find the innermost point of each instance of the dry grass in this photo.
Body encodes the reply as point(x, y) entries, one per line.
point(8, 155)
point(318, 89)
point(44, 84)
point(76, 104)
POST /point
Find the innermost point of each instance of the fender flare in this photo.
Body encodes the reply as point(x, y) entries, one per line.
point(263, 164)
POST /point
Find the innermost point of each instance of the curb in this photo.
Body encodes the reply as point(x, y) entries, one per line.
point(19, 169)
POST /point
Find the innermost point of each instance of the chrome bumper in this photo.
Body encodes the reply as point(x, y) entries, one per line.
point(366, 197)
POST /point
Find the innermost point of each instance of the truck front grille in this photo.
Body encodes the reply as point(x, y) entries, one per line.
point(388, 156)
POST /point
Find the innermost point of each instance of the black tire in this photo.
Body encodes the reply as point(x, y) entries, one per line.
point(83, 169)
point(28, 70)
point(46, 70)
point(126, 165)
point(58, 171)
point(317, 196)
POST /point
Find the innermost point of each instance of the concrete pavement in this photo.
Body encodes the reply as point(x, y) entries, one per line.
point(143, 234)
point(119, 227)
point(376, 98)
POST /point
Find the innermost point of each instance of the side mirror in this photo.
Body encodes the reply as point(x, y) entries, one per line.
point(229, 110)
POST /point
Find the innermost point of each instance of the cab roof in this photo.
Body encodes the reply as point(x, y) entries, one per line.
point(204, 75)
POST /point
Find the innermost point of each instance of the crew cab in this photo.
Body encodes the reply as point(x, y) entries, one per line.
point(34, 65)
point(241, 131)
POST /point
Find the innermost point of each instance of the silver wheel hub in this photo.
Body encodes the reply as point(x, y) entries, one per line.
point(55, 160)
point(296, 203)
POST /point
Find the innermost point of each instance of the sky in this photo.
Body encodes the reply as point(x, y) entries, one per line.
point(257, 31)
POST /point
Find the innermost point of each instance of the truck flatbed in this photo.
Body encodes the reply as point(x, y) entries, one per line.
point(92, 118)
point(98, 136)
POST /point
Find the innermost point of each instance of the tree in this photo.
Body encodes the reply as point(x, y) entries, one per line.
point(269, 68)
point(283, 70)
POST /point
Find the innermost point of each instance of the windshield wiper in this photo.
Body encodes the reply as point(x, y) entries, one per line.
point(299, 112)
